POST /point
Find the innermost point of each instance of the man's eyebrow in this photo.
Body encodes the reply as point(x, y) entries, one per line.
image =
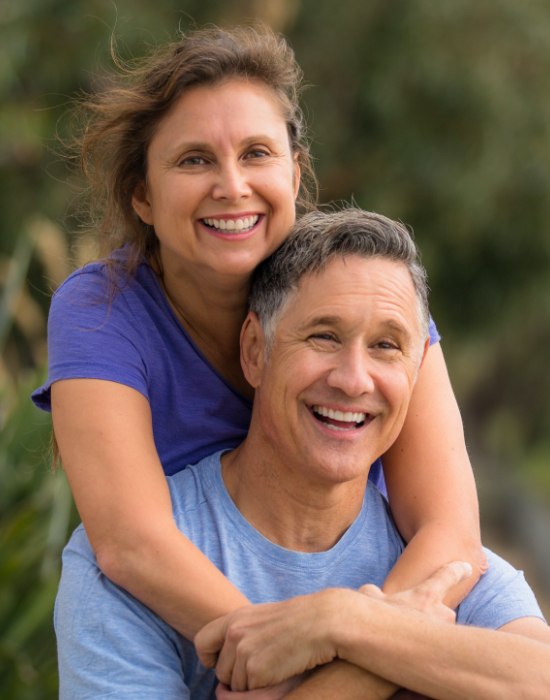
point(320, 321)
point(395, 326)
point(387, 326)
point(398, 329)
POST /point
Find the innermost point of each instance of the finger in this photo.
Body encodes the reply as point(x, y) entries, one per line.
point(225, 665)
point(209, 640)
point(445, 578)
point(372, 591)
point(239, 675)
point(222, 692)
point(225, 693)
point(484, 566)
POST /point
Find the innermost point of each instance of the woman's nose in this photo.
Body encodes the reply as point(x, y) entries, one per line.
point(231, 182)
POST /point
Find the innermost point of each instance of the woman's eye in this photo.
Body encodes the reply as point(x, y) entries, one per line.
point(256, 153)
point(192, 160)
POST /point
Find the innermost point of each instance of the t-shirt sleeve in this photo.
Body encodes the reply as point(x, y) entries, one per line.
point(500, 596)
point(109, 644)
point(93, 334)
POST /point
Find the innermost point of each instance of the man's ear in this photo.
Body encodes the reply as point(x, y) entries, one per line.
point(252, 349)
point(424, 352)
point(142, 205)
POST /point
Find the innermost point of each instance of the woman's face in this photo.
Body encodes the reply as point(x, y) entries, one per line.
point(221, 180)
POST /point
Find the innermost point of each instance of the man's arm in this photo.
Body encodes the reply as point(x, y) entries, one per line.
point(265, 644)
point(262, 645)
point(451, 661)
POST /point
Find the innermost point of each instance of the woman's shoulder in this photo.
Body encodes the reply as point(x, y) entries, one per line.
point(100, 282)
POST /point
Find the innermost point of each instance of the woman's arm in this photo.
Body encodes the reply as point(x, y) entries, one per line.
point(431, 485)
point(342, 680)
point(104, 433)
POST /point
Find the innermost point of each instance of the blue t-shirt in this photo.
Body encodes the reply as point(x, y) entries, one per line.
point(133, 337)
point(112, 646)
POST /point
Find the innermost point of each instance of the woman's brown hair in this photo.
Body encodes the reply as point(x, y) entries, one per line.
point(120, 119)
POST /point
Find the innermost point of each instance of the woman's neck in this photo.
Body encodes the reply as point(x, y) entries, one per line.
point(212, 313)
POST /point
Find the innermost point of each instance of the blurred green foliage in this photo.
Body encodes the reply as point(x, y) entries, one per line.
point(436, 113)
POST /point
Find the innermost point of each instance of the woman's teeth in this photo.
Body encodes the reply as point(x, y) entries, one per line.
point(239, 225)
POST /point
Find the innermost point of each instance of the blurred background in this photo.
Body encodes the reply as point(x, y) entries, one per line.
point(434, 113)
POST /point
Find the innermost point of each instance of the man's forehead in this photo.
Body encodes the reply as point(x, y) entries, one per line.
point(354, 284)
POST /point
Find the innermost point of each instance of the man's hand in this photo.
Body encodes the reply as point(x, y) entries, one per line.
point(262, 645)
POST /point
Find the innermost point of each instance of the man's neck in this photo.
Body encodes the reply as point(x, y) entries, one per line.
point(291, 512)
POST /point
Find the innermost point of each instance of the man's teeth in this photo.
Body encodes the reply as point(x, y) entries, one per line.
point(341, 416)
point(244, 224)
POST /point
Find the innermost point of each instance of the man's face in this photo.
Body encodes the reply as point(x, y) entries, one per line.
point(334, 391)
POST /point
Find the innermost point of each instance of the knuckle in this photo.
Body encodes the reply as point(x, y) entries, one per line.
point(425, 599)
point(233, 634)
point(253, 672)
point(372, 590)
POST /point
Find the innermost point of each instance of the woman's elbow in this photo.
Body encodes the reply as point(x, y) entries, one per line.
point(115, 561)
point(125, 561)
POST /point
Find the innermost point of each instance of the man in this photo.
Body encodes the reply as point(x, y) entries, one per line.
point(333, 344)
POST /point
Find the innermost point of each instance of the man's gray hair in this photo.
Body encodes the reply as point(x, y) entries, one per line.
point(319, 237)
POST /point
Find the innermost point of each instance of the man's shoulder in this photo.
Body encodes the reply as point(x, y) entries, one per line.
point(379, 514)
point(192, 485)
point(501, 595)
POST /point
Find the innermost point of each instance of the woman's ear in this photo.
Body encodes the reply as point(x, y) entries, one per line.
point(142, 205)
point(297, 176)
point(252, 349)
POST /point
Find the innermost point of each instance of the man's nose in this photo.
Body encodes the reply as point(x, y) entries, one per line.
point(231, 182)
point(352, 372)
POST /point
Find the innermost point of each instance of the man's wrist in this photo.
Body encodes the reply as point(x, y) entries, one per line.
point(348, 620)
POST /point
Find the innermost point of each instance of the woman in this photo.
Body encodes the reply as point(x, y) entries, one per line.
point(196, 162)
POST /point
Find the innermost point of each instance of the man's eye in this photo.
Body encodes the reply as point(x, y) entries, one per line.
point(328, 337)
point(386, 345)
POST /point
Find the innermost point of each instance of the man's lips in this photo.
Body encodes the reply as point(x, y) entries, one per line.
point(338, 419)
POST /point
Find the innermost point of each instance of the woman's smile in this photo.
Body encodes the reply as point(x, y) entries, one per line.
point(221, 180)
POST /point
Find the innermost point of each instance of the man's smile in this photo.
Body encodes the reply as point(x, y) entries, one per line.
point(340, 420)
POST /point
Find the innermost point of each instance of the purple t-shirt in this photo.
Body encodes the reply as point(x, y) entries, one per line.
point(133, 337)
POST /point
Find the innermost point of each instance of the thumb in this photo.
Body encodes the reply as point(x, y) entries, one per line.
point(209, 640)
point(447, 577)
point(460, 570)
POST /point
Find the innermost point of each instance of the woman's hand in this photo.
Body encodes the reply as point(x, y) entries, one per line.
point(428, 597)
